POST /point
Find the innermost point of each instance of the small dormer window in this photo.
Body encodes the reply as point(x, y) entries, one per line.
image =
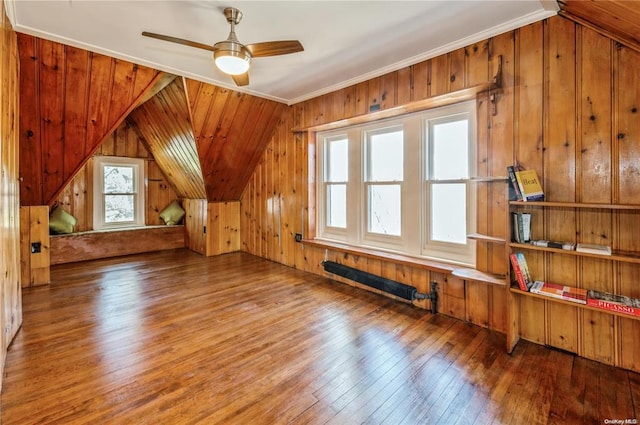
point(118, 196)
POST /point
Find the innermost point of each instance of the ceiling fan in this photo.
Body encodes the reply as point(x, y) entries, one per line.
point(233, 57)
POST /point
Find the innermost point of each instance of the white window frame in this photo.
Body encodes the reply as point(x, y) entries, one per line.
point(466, 253)
point(333, 232)
point(394, 242)
point(415, 194)
point(98, 191)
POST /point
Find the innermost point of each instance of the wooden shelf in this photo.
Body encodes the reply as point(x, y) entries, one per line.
point(570, 303)
point(478, 276)
point(627, 257)
point(490, 179)
point(574, 205)
point(486, 238)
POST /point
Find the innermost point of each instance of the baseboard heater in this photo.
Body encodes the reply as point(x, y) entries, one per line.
point(387, 285)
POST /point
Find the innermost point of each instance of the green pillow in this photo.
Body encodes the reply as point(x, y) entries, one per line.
point(61, 222)
point(172, 214)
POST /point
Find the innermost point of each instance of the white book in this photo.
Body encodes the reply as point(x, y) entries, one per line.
point(593, 248)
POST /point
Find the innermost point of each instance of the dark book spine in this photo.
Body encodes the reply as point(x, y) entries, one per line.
point(514, 188)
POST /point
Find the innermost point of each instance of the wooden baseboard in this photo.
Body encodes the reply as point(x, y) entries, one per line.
point(104, 244)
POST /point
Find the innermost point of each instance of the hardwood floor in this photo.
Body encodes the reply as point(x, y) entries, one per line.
point(177, 338)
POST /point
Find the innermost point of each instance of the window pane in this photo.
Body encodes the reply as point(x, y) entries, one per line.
point(337, 205)
point(385, 156)
point(449, 213)
point(450, 150)
point(118, 208)
point(384, 209)
point(118, 179)
point(337, 160)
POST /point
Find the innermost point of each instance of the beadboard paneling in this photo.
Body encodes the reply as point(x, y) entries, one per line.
point(71, 100)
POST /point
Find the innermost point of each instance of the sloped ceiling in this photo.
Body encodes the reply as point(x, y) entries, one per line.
point(70, 101)
point(618, 19)
point(163, 122)
point(232, 130)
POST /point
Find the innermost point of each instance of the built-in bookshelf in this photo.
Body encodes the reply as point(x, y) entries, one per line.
point(515, 295)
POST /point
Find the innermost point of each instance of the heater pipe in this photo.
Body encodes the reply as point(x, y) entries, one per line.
point(398, 289)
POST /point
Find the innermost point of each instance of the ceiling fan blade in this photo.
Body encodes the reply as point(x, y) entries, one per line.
point(274, 48)
point(178, 40)
point(242, 79)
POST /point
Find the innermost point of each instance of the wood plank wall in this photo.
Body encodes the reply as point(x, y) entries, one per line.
point(10, 292)
point(212, 228)
point(34, 228)
point(71, 100)
point(568, 108)
point(223, 227)
point(195, 224)
point(77, 196)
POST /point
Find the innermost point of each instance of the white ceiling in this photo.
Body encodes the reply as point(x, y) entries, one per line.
point(345, 42)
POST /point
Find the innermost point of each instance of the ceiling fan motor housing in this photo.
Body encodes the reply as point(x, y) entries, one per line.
point(232, 56)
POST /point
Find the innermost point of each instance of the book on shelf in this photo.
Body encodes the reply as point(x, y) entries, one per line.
point(561, 292)
point(593, 248)
point(521, 227)
point(521, 270)
point(567, 246)
point(514, 189)
point(613, 302)
point(529, 184)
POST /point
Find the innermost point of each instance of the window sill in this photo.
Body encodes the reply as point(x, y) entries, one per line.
point(383, 255)
point(465, 273)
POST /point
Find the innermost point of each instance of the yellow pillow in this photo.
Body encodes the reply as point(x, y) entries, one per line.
point(172, 214)
point(61, 222)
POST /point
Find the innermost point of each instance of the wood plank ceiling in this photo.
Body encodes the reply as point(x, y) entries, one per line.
point(163, 122)
point(619, 20)
point(232, 130)
point(206, 140)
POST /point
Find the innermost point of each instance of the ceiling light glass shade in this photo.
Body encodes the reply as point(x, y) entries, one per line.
point(232, 58)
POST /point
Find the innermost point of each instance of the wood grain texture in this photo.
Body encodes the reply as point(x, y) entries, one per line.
point(619, 20)
point(77, 196)
point(542, 120)
point(195, 224)
point(114, 243)
point(71, 101)
point(163, 122)
point(175, 337)
point(34, 228)
point(10, 218)
point(231, 130)
point(223, 228)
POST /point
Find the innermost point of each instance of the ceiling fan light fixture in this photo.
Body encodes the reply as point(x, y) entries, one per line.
point(232, 58)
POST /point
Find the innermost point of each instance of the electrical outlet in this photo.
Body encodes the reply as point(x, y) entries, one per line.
point(298, 237)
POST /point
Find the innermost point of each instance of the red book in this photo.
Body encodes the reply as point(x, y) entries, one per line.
point(522, 283)
point(613, 302)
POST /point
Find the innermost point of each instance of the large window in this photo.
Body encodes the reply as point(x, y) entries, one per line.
point(401, 184)
point(118, 197)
